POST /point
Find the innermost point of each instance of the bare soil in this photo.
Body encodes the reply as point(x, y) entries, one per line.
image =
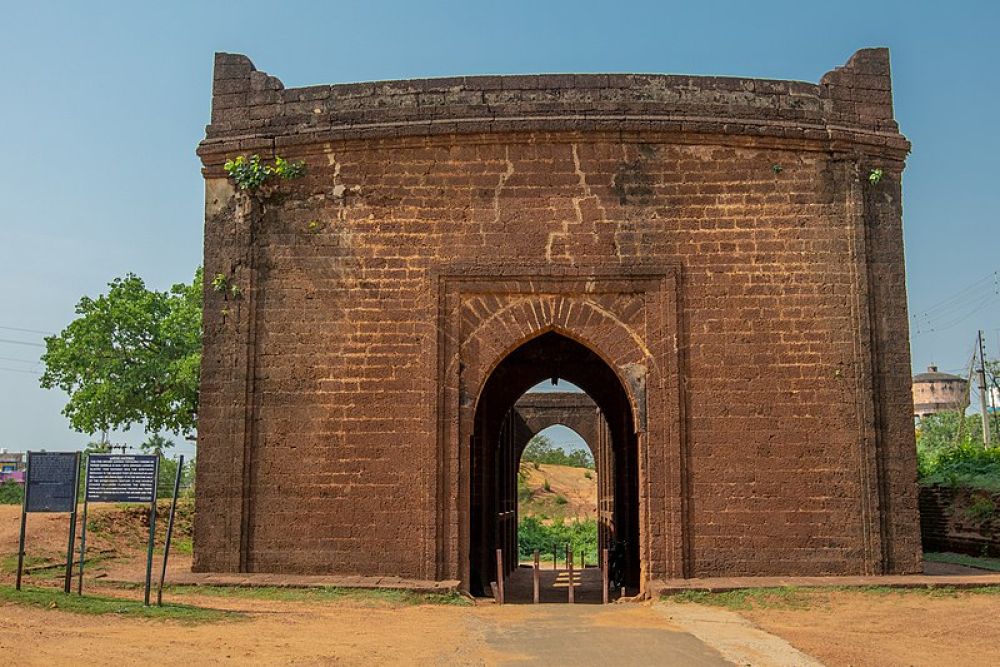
point(565, 482)
point(838, 628)
point(895, 628)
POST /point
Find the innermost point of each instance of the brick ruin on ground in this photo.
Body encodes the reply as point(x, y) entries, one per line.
point(717, 262)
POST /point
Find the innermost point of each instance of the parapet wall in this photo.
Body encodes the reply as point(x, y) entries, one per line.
point(851, 103)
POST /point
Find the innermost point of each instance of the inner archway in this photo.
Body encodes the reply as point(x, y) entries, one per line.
point(499, 438)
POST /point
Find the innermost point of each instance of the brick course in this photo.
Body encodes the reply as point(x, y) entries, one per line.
point(717, 238)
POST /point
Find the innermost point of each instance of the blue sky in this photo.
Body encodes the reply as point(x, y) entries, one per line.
point(104, 103)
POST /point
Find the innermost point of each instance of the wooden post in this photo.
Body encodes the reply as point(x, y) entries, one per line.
point(569, 566)
point(500, 576)
point(554, 558)
point(604, 576)
point(535, 574)
point(583, 560)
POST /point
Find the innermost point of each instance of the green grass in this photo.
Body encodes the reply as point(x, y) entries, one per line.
point(748, 598)
point(791, 597)
point(369, 596)
point(48, 598)
point(8, 564)
point(962, 559)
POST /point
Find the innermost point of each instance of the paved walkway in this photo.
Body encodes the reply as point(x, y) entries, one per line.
point(583, 635)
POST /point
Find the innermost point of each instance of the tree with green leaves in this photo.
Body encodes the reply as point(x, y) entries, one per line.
point(541, 449)
point(131, 357)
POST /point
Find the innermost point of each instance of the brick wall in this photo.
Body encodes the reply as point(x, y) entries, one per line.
point(775, 410)
point(964, 521)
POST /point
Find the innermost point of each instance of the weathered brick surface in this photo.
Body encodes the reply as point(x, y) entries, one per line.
point(959, 520)
point(716, 240)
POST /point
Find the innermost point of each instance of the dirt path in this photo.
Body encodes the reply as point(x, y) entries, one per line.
point(282, 632)
point(298, 634)
point(857, 629)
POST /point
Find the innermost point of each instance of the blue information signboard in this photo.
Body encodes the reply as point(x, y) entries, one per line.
point(51, 482)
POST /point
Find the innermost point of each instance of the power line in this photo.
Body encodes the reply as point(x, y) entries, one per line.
point(21, 361)
point(20, 342)
point(37, 331)
point(18, 370)
point(960, 306)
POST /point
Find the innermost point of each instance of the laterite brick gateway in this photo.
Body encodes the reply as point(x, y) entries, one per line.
point(716, 262)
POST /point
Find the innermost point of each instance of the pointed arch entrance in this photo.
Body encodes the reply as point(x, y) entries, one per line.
point(496, 449)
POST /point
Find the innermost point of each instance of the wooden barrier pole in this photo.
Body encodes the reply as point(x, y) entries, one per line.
point(535, 574)
point(500, 576)
point(604, 576)
point(554, 556)
point(569, 566)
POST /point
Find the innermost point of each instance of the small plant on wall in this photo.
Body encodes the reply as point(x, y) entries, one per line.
point(875, 176)
point(252, 173)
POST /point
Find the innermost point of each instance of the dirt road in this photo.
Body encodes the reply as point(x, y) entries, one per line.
point(308, 634)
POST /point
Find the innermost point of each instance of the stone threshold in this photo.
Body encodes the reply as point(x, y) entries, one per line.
point(262, 579)
point(724, 584)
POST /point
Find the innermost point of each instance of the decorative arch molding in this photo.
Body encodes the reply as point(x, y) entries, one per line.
point(629, 317)
point(588, 323)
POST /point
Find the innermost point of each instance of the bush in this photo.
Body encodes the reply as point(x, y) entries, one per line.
point(580, 535)
point(11, 493)
point(966, 465)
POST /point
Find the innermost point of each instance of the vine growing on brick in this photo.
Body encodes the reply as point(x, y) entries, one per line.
point(252, 173)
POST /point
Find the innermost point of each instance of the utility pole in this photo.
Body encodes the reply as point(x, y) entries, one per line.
point(982, 393)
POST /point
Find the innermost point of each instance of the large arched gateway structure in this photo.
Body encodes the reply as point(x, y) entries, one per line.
point(717, 262)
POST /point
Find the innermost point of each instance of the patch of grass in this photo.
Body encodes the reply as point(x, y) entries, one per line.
point(791, 597)
point(366, 596)
point(97, 605)
point(787, 597)
point(8, 564)
point(962, 559)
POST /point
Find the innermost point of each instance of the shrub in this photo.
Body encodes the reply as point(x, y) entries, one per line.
point(11, 493)
point(965, 465)
point(580, 535)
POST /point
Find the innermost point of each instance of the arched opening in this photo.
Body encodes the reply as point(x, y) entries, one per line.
point(500, 434)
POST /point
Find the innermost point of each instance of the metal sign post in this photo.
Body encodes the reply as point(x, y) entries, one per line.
point(49, 486)
point(152, 533)
point(83, 529)
point(121, 478)
point(24, 522)
point(170, 530)
point(68, 578)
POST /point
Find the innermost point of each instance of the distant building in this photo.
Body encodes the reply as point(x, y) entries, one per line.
point(935, 392)
point(11, 466)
